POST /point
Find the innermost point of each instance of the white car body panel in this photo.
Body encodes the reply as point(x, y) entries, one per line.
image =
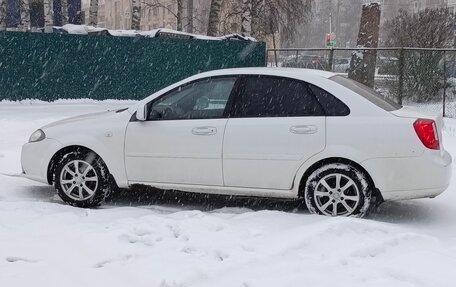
point(267, 152)
point(103, 133)
point(175, 151)
point(35, 158)
point(253, 156)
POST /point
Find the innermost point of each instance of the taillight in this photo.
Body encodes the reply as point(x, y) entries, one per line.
point(427, 132)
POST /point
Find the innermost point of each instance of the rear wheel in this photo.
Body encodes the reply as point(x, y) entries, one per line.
point(337, 190)
point(82, 179)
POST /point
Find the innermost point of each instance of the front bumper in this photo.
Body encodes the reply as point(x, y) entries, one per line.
point(35, 158)
point(411, 177)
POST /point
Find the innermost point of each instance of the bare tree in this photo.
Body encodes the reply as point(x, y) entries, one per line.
point(246, 17)
point(24, 8)
point(135, 14)
point(429, 28)
point(214, 17)
point(180, 10)
point(64, 4)
point(288, 15)
point(190, 16)
point(263, 18)
point(48, 7)
point(421, 70)
point(93, 13)
point(3, 4)
point(178, 14)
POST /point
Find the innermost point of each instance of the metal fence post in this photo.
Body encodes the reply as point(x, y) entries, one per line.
point(297, 51)
point(444, 83)
point(400, 93)
point(275, 58)
point(330, 60)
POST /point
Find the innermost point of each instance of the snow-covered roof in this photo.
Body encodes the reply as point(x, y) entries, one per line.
point(160, 32)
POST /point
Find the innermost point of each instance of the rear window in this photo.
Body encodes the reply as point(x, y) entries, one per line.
point(332, 106)
point(368, 93)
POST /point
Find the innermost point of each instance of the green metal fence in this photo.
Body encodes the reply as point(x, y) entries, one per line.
point(55, 66)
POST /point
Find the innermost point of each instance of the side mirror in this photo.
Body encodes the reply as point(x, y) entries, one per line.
point(141, 113)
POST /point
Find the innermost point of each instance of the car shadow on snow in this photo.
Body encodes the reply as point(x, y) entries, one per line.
point(143, 196)
point(38, 192)
point(410, 211)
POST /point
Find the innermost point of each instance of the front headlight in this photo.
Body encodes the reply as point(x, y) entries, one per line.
point(37, 136)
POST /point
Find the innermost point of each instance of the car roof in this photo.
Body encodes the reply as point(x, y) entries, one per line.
point(297, 73)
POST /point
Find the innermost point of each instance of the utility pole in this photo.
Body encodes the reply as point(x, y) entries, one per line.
point(330, 23)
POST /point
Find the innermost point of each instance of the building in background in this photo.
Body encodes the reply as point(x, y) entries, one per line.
point(452, 5)
point(116, 14)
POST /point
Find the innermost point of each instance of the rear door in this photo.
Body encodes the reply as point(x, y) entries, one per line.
point(275, 125)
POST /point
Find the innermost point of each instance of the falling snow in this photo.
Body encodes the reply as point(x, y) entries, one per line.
point(151, 238)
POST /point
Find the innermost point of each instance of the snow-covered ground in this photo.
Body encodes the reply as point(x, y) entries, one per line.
point(141, 239)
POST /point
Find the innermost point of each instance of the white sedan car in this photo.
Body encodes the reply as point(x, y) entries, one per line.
point(266, 132)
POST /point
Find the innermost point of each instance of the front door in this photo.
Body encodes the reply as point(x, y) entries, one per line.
point(181, 141)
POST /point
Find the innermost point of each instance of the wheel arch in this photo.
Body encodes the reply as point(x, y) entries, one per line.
point(330, 160)
point(65, 150)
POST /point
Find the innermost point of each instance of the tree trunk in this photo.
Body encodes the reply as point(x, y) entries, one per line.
point(136, 14)
point(362, 65)
point(24, 21)
point(74, 12)
point(246, 18)
point(255, 17)
point(179, 15)
point(3, 4)
point(93, 13)
point(190, 16)
point(64, 4)
point(48, 6)
point(214, 17)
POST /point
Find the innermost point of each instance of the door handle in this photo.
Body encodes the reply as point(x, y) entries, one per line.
point(204, 131)
point(304, 129)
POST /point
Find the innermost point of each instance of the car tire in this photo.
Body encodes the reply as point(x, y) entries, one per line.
point(338, 190)
point(82, 179)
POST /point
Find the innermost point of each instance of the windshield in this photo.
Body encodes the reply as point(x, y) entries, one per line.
point(369, 94)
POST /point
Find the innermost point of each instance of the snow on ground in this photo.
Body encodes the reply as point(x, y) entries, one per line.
point(174, 240)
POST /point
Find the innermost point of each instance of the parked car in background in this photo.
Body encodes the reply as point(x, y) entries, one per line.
point(269, 132)
point(305, 61)
point(341, 65)
point(387, 66)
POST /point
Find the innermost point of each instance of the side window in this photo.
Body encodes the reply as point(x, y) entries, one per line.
point(266, 96)
point(332, 106)
point(203, 99)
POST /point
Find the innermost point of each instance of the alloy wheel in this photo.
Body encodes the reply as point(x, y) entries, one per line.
point(336, 194)
point(78, 180)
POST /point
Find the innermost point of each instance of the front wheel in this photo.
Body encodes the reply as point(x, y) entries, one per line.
point(337, 190)
point(82, 179)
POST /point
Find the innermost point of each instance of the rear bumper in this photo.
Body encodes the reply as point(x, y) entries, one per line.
point(411, 177)
point(35, 158)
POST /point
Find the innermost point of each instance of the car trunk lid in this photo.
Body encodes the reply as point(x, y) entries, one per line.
point(410, 112)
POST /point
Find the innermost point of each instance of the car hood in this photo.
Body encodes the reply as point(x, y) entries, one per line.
point(85, 117)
